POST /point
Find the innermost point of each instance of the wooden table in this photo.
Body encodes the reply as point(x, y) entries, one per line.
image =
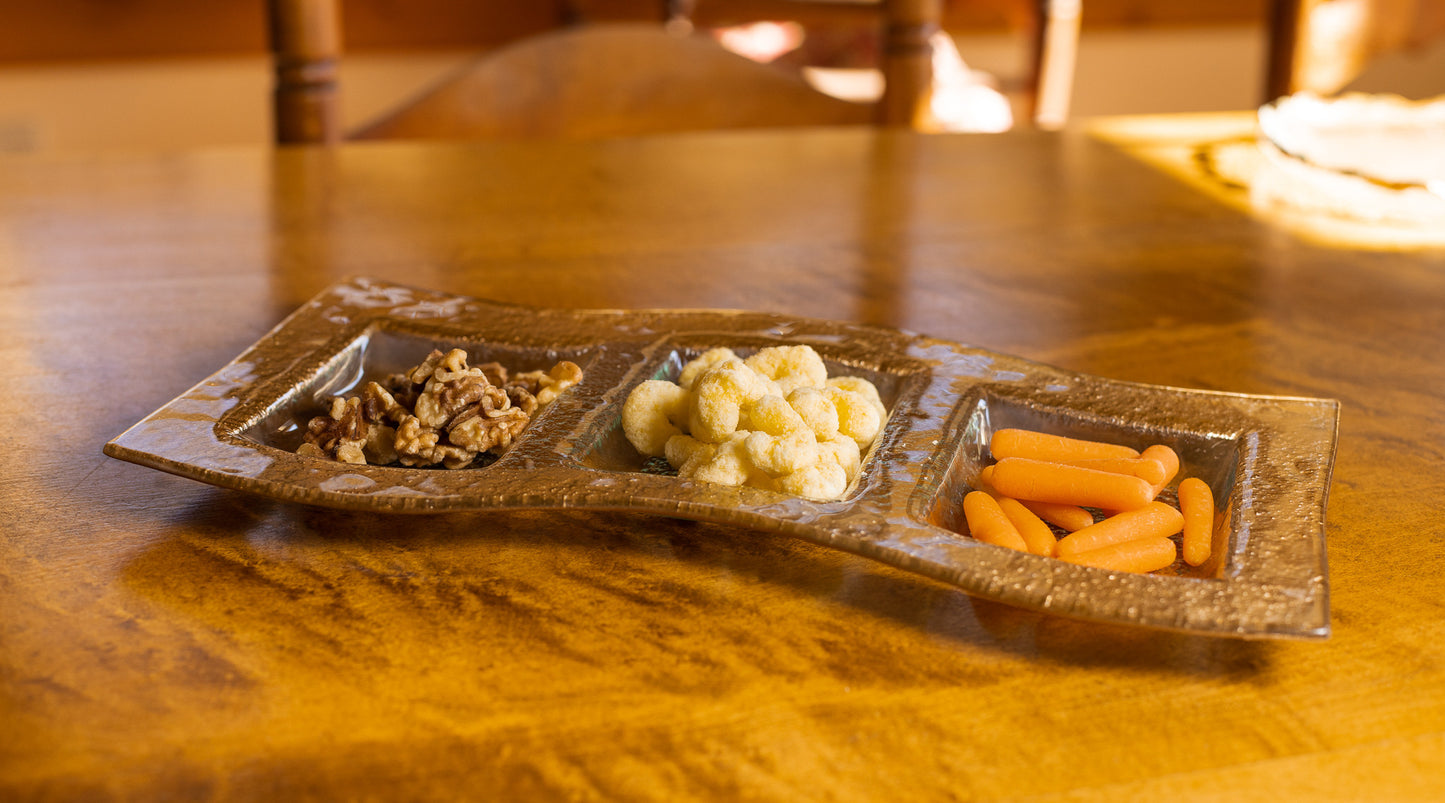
point(162, 639)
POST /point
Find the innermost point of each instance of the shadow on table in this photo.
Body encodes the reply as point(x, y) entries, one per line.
point(678, 604)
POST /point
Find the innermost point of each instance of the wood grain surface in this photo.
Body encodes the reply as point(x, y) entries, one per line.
point(164, 640)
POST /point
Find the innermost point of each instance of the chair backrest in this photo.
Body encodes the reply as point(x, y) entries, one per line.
point(1322, 45)
point(611, 80)
point(1050, 28)
point(603, 80)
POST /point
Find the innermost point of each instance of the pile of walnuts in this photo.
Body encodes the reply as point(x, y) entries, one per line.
point(441, 412)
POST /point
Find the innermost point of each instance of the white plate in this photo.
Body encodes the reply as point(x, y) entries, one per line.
point(1368, 157)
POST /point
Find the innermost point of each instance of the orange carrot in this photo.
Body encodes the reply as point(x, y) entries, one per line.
point(1148, 470)
point(1196, 501)
point(1165, 457)
point(1036, 534)
point(1067, 517)
point(1140, 555)
point(985, 479)
point(1040, 446)
point(987, 522)
point(1043, 481)
point(1157, 520)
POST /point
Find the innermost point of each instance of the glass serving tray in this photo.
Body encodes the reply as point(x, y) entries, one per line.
point(1268, 459)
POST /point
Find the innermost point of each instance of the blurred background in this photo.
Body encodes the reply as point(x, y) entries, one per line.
point(148, 74)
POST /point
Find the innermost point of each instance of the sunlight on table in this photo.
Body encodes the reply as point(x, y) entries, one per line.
point(1320, 173)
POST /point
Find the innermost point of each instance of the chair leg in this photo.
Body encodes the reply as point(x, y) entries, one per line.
point(1283, 28)
point(677, 15)
point(908, 62)
point(306, 45)
point(1056, 51)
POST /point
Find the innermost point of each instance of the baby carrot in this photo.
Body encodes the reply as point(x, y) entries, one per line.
point(1141, 555)
point(1146, 469)
point(987, 522)
point(1196, 501)
point(1068, 517)
point(985, 478)
point(1036, 534)
point(1043, 481)
point(1157, 520)
point(1165, 457)
point(1040, 446)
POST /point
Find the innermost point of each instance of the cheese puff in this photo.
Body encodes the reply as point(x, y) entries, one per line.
point(701, 363)
point(653, 413)
point(822, 481)
point(682, 448)
point(791, 367)
point(726, 463)
point(858, 384)
point(842, 450)
point(858, 417)
point(781, 442)
point(720, 396)
point(816, 410)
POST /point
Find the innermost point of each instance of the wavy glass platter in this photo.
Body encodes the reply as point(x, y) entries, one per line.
point(1268, 459)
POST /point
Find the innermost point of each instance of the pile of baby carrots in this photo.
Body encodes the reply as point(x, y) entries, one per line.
point(1040, 480)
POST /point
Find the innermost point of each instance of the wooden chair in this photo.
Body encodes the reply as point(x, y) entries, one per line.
point(1055, 51)
point(1323, 45)
point(1051, 28)
point(595, 80)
